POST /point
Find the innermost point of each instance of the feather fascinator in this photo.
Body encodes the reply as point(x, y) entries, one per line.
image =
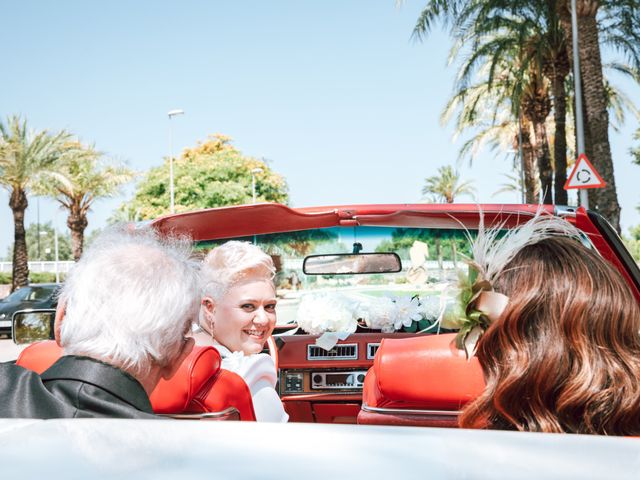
point(491, 251)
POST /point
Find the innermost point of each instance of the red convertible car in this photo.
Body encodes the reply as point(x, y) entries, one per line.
point(361, 344)
point(326, 385)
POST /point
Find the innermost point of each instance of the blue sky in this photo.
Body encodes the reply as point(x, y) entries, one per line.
point(334, 93)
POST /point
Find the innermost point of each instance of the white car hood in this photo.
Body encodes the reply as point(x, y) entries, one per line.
point(173, 449)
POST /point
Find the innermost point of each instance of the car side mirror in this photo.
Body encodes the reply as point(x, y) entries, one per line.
point(32, 326)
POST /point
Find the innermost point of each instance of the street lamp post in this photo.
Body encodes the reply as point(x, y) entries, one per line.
point(584, 196)
point(254, 172)
point(56, 257)
point(523, 187)
point(38, 226)
point(171, 114)
point(55, 246)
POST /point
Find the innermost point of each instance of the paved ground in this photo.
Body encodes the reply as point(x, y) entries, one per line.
point(9, 350)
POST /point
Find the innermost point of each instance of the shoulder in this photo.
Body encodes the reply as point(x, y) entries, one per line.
point(17, 381)
point(257, 369)
point(10, 372)
point(25, 396)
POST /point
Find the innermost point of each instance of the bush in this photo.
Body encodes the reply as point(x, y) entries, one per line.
point(34, 277)
point(44, 277)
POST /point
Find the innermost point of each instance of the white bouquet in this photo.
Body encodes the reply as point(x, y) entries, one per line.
point(322, 312)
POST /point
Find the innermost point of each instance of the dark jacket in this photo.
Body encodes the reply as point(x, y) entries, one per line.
point(74, 387)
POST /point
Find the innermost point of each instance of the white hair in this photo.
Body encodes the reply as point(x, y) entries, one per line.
point(231, 262)
point(130, 299)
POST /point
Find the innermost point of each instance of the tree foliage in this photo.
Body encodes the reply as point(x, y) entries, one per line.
point(45, 234)
point(212, 174)
point(444, 244)
point(635, 152)
point(81, 178)
point(632, 242)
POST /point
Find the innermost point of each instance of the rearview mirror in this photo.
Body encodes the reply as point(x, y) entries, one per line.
point(32, 326)
point(349, 264)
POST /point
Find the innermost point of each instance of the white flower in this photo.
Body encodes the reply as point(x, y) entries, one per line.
point(430, 307)
point(378, 313)
point(407, 311)
point(320, 313)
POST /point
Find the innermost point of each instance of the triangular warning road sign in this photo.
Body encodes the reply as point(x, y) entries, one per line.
point(584, 175)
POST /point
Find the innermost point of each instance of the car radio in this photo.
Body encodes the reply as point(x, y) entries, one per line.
point(321, 381)
point(337, 380)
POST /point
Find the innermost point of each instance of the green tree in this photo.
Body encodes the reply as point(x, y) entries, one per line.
point(82, 177)
point(446, 186)
point(635, 152)
point(41, 244)
point(212, 174)
point(632, 242)
point(25, 158)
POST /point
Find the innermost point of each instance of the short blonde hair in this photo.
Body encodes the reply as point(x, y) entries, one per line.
point(228, 264)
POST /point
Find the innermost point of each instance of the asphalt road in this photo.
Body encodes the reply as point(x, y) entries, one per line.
point(9, 350)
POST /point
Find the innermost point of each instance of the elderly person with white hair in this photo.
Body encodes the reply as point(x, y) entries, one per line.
point(122, 321)
point(237, 316)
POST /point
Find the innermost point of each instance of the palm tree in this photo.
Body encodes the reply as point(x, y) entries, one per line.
point(498, 48)
point(556, 67)
point(507, 106)
point(531, 33)
point(536, 106)
point(616, 24)
point(596, 114)
point(25, 157)
point(487, 111)
point(446, 186)
point(611, 22)
point(81, 179)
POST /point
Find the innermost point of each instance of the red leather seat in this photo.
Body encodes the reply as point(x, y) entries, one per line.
point(199, 387)
point(423, 381)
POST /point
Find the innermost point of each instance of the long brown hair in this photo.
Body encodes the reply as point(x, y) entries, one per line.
point(565, 354)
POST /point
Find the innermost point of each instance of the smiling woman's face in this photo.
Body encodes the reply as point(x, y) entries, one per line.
point(244, 317)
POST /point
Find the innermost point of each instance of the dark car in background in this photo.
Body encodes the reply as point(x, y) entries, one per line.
point(35, 296)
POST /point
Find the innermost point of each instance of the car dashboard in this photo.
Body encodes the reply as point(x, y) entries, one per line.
point(316, 385)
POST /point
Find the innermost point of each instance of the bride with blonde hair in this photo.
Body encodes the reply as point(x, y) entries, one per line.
point(237, 316)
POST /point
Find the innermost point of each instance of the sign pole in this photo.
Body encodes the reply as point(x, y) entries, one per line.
point(584, 196)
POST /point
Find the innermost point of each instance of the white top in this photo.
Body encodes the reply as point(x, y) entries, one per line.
point(259, 373)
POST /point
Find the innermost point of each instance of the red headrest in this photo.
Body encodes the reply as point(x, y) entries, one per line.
point(39, 356)
point(170, 396)
point(427, 372)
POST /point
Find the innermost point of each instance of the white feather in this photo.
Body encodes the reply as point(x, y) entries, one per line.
point(492, 253)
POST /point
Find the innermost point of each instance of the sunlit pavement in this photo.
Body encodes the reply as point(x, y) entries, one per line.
point(9, 350)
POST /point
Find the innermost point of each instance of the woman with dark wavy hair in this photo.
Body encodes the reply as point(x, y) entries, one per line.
point(564, 355)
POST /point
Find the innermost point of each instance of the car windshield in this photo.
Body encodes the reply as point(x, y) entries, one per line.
point(431, 260)
point(31, 294)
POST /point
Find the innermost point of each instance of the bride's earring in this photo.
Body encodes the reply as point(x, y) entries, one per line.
point(211, 323)
point(208, 314)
